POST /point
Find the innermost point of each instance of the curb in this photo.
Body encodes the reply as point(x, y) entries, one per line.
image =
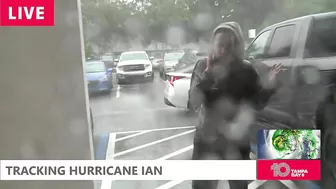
point(100, 153)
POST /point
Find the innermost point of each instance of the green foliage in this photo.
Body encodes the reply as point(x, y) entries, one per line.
point(88, 50)
point(109, 21)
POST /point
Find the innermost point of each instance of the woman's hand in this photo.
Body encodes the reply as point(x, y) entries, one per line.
point(273, 76)
point(208, 63)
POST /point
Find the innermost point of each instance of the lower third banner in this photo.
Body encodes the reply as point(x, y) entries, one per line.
point(127, 170)
point(289, 170)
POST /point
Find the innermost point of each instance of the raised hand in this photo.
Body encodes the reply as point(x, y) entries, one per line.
point(273, 75)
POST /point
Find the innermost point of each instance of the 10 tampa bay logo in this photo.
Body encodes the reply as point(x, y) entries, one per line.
point(284, 170)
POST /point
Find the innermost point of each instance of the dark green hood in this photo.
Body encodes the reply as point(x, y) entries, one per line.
point(235, 28)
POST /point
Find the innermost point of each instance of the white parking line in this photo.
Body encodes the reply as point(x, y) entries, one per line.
point(173, 182)
point(255, 184)
point(111, 146)
point(132, 112)
point(252, 185)
point(160, 129)
point(289, 184)
point(170, 184)
point(176, 152)
point(152, 143)
point(107, 184)
point(130, 136)
point(118, 91)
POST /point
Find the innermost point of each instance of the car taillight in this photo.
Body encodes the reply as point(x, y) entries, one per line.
point(171, 79)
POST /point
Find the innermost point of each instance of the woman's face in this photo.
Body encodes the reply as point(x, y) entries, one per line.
point(222, 44)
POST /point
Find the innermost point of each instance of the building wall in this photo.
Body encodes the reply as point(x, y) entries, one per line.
point(44, 105)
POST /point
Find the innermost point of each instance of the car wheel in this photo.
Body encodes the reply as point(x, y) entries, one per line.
point(107, 92)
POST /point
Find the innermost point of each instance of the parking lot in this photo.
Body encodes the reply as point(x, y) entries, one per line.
point(133, 123)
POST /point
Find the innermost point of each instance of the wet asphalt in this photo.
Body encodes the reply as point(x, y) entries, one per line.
point(140, 107)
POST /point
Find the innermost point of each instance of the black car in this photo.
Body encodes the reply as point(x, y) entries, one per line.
point(187, 62)
point(306, 100)
point(189, 58)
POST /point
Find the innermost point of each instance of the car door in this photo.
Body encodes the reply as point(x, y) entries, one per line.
point(318, 53)
point(269, 48)
point(282, 50)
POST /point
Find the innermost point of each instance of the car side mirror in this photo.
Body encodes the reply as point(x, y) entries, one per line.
point(109, 69)
point(151, 58)
point(116, 60)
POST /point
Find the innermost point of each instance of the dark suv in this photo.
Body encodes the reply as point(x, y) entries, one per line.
point(306, 46)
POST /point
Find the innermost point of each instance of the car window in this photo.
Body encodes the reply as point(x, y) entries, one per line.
point(193, 57)
point(133, 56)
point(190, 58)
point(282, 41)
point(322, 39)
point(173, 56)
point(107, 58)
point(183, 62)
point(95, 67)
point(257, 48)
point(185, 57)
point(186, 69)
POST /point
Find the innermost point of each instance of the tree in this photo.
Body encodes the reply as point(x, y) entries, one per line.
point(103, 21)
point(88, 50)
point(182, 21)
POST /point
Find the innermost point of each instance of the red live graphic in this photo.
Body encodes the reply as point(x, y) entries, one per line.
point(26, 12)
point(289, 170)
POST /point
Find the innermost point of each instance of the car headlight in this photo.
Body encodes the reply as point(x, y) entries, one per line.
point(103, 78)
point(147, 65)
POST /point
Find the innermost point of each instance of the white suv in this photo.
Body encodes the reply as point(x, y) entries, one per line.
point(134, 66)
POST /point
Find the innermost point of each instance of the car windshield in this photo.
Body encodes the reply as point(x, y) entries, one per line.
point(133, 56)
point(185, 69)
point(95, 67)
point(107, 58)
point(173, 56)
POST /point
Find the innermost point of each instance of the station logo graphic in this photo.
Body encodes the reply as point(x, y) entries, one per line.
point(289, 155)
